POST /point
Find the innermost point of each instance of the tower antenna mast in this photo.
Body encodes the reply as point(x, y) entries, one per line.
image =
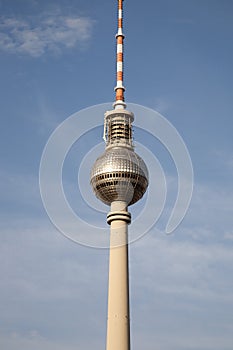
point(120, 59)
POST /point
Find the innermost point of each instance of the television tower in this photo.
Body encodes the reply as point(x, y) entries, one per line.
point(119, 178)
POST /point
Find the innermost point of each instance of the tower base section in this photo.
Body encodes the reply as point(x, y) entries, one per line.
point(118, 324)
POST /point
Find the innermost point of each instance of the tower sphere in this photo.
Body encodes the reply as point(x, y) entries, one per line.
point(119, 174)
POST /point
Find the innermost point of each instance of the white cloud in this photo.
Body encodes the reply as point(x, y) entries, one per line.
point(162, 104)
point(18, 189)
point(44, 33)
point(32, 340)
point(225, 160)
point(186, 268)
point(181, 288)
point(229, 235)
point(44, 284)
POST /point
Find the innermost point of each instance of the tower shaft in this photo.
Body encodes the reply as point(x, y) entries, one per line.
point(118, 324)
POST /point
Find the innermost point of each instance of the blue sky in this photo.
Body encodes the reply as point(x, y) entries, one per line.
point(58, 57)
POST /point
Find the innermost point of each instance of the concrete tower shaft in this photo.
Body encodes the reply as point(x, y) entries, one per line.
point(118, 327)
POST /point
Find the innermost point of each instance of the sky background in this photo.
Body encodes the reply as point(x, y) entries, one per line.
point(58, 57)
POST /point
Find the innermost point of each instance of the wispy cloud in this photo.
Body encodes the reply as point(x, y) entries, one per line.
point(41, 292)
point(191, 282)
point(161, 104)
point(18, 189)
point(229, 235)
point(33, 340)
point(40, 34)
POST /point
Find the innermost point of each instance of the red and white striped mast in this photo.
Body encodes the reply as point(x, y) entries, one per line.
point(119, 102)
